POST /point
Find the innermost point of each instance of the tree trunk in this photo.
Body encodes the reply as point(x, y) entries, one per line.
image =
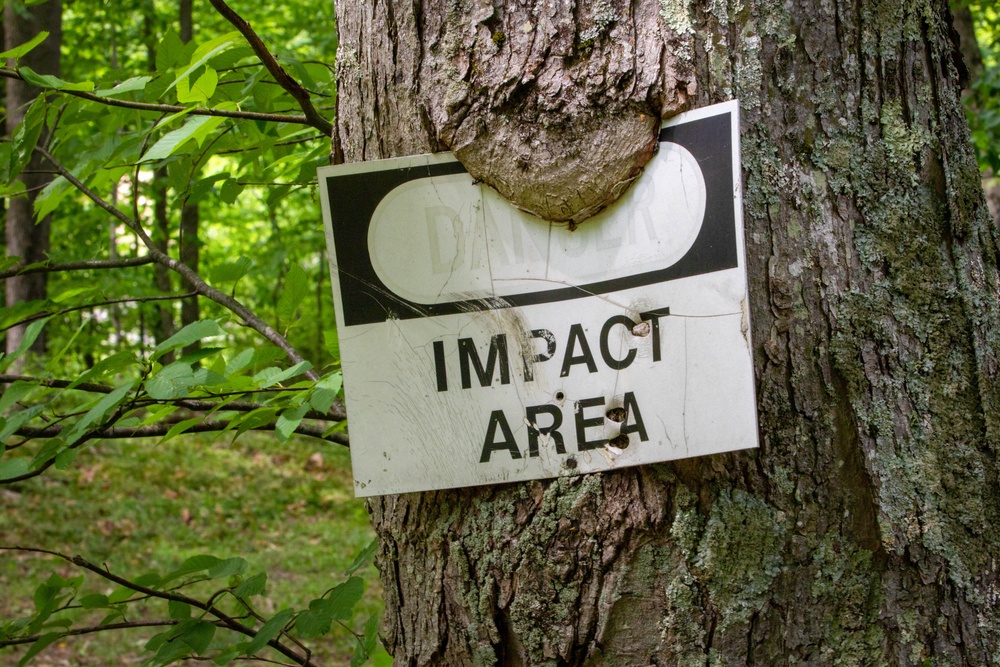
point(189, 245)
point(860, 533)
point(24, 237)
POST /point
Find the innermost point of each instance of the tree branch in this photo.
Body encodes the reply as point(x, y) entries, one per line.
point(86, 631)
point(291, 86)
point(228, 622)
point(161, 429)
point(174, 108)
point(197, 404)
point(21, 269)
point(58, 384)
point(97, 304)
point(196, 281)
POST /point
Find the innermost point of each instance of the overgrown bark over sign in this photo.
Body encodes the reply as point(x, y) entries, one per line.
point(861, 532)
point(556, 105)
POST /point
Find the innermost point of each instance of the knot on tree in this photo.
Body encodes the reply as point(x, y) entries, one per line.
point(555, 106)
point(562, 169)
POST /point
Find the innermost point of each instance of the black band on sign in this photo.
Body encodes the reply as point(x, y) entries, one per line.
point(365, 298)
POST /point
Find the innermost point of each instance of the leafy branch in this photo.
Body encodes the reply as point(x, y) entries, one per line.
point(21, 268)
point(291, 86)
point(175, 108)
point(194, 280)
point(193, 622)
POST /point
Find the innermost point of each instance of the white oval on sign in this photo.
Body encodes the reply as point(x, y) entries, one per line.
point(442, 239)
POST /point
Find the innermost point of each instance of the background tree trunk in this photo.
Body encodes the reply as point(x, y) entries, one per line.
point(861, 532)
point(189, 249)
point(24, 237)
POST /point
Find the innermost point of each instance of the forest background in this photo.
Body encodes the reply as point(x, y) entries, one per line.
point(172, 152)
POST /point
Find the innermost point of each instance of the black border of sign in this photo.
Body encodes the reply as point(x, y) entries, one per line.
point(366, 299)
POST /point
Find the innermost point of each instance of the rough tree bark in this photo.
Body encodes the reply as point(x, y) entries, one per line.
point(24, 237)
point(861, 532)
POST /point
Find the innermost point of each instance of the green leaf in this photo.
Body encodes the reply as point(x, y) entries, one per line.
point(14, 393)
point(189, 334)
point(106, 368)
point(312, 623)
point(127, 86)
point(99, 411)
point(253, 419)
point(50, 81)
point(94, 601)
point(341, 600)
point(271, 629)
point(231, 272)
point(239, 362)
point(179, 427)
point(255, 585)
point(40, 645)
point(272, 376)
point(231, 189)
point(326, 391)
point(65, 458)
point(227, 568)
point(288, 421)
point(31, 333)
point(26, 137)
point(295, 289)
point(178, 610)
point(162, 412)
point(17, 420)
point(170, 52)
point(369, 644)
point(51, 196)
point(212, 566)
point(13, 467)
point(116, 614)
point(194, 356)
point(206, 52)
point(202, 89)
point(196, 128)
point(199, 636)
point(47, 451)
point(23, 49)
point(67, 294)
point(363, 558)
point(172, 382)
point(193, 564)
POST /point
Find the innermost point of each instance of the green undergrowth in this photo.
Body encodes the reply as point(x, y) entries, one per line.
point(136, 507)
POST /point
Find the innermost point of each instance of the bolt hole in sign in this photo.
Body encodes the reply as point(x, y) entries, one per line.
point(483, 345)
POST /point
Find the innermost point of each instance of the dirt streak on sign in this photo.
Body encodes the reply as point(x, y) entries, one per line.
point(483, 345)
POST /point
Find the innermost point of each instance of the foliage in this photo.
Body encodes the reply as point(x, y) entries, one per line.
point(138, 127)
point(137, 507)
point(983, 101)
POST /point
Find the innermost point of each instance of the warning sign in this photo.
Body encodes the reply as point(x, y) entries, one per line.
point(482, 345)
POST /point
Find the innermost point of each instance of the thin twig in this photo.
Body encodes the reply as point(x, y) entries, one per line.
point(291, 86)
point(86, 631)
point(174, 108)
point(197, 404)
point(228, 622)
point(294, 142)
point(58, 384)
point(98, 304)
point(96, 264)
point(162, 428)
point(193, 279)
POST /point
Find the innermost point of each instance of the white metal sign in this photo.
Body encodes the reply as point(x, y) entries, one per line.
point(483, 345)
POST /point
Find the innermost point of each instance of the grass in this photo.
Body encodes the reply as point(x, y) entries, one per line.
point(135, 506)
